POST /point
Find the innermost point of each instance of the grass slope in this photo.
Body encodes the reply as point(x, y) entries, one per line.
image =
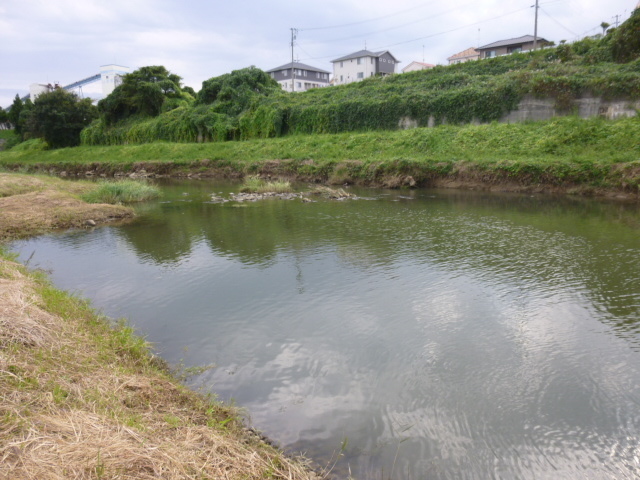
point(566, 152)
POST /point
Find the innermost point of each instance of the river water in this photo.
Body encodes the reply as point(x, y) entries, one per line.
point(406, 334)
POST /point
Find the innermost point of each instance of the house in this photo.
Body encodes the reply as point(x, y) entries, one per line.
point(357, 66)
point(413, 66)
point(298, 77)
point(464, 56)
point(512, 45)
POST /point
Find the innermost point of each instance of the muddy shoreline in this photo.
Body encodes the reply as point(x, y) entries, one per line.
point(347, 173)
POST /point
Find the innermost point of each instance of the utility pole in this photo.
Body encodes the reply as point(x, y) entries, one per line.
point(294, 32)
point(617, 22)
point(535, 28)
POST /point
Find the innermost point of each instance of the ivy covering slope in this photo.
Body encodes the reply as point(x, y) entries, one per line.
point(248, 104)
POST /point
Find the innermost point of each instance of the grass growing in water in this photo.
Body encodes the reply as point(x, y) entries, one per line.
point(123, 191)
point(255, 184)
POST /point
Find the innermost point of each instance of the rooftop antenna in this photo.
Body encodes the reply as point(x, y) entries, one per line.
point(294, 33)
point(422, 53)
point(365, 44)
point(478, 38)
point(535, 28)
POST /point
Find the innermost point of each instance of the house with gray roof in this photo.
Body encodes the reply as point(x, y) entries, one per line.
point(357, 66)
point(511, 45)
point(298, 77)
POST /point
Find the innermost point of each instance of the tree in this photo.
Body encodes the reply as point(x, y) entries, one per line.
point(59, 117)
point(142, 93)
point(604, 26)
point(232, 93)
point(14, 112)
point(625, 44)
point(4, 118)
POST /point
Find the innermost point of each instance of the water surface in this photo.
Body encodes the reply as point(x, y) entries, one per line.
point(435, 334)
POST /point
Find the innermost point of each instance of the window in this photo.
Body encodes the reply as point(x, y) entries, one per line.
point(298, 84)
point(490, 54)
point(273, 75)
point(317, 75)
point(360, 61)
point(514, 49)
point(360, 75)
point(341, 64)
point(371, 60)
point(285, 73)
point(304, 72)
point(341, 79)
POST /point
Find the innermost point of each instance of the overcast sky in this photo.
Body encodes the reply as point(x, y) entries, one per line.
point(47, 41)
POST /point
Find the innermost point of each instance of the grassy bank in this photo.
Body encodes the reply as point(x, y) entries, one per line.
point(81, 397)
point(31, 205)
point(568, 154)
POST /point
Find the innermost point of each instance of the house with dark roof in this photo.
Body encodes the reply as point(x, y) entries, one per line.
point(467, 55)
point(298, 77)
point(357, 66)
point(415, 66)
point(512, 45)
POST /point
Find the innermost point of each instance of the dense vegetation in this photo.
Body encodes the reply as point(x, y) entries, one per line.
point(248, 104)
point(57, 117)
point(564, 152)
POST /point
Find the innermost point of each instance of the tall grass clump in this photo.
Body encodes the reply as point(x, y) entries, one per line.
point(255, 184)
point(122, 191)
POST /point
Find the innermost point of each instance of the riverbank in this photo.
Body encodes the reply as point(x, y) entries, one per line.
point(563, 155)
point(81, 397)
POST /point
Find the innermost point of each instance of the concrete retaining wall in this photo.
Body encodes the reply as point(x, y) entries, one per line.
point(532, 109)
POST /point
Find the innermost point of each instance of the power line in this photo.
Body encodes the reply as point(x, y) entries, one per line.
point(456, 29)
point(369, 34)
point(557, 22)
point(435, 34)
point(370, 20)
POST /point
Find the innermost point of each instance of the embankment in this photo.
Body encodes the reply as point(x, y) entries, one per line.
point(572, 155)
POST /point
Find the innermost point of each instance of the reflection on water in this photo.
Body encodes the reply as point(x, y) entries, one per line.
point(441, 334)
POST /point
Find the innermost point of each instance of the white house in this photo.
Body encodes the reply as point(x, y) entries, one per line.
point(415, 66)
point(298, 77)
point(111, 77)
point(357, 66)
point(467, 55)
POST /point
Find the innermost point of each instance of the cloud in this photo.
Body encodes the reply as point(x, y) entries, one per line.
point(67, 40)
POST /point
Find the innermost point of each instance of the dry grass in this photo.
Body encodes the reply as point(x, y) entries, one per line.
point(32, 205)
point(82, 400)
point(333, 193)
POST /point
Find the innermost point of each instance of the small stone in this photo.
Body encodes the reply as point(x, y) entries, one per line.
point(90, 223)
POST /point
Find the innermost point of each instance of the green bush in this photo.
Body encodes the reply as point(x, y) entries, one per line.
point(122, 191)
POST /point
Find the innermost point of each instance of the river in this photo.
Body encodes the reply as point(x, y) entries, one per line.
point(405, 334)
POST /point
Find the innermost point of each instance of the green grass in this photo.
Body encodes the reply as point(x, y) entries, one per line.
point(255, 184)
point(122, 191)
point(564, 150)
point(10, 137)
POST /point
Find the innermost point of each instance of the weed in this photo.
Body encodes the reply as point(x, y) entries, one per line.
point(122, 191)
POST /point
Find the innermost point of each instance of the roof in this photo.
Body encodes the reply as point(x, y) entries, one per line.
point(425, 65)
point(364, 53)
point(299, 65)
point(469, 52)
point(512, 41)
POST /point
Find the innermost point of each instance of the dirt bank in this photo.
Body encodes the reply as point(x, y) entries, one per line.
point(619, 182)
point(32, 206)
